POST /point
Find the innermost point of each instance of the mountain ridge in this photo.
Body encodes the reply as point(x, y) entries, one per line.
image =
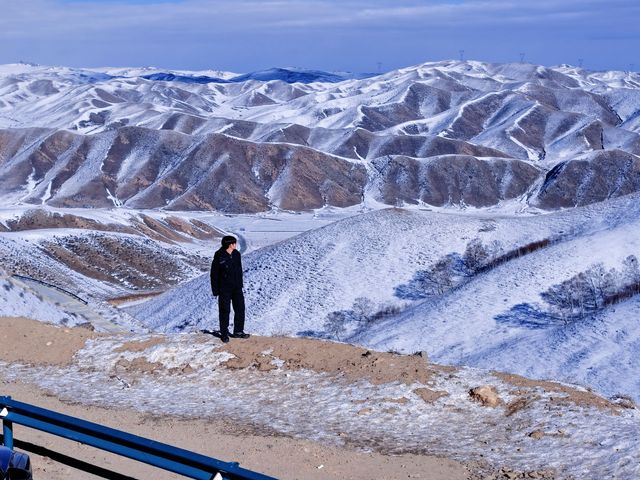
point(569, 124)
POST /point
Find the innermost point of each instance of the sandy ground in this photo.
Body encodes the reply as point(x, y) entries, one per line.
point(31, 342)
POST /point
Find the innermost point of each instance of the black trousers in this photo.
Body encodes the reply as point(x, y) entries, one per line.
point(225, 299)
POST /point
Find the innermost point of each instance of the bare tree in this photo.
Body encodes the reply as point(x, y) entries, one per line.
point(595, 288)
point(362, 308)
point(475, 255)
point(336, 324)
point(631, 269)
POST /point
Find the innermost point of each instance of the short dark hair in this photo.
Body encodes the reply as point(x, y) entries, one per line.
point(228, 240)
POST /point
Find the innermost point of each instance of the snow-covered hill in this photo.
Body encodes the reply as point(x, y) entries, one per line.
point(104, 255)
point(110, 257)
point(284, 138)
point(25, 297)
point(499, 319)
point(18, 300)
point(362, 279)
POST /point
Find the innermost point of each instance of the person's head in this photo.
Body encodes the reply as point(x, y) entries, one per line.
point(229, 242)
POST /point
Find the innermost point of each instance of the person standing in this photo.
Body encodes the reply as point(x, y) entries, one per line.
point(226, 284)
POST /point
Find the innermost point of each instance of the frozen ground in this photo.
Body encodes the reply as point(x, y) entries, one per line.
point(535, 427)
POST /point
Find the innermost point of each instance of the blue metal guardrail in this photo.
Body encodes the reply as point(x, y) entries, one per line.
point(161, 455)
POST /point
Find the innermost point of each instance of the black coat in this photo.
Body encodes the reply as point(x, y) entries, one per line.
point(226, 272)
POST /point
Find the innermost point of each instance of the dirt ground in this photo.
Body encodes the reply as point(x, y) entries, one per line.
point(30, 342)
point(36, 343)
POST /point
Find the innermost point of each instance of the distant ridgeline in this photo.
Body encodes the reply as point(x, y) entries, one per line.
point(280, 74)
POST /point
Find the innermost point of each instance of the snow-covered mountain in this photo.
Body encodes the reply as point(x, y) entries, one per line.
point(444, 133)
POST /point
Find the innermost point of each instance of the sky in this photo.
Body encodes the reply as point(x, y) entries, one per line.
point(341, 35)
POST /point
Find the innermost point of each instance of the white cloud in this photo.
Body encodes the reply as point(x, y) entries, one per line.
point(43, 17)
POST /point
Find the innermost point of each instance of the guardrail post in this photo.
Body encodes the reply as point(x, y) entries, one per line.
point(7, 427)
point(7, 431)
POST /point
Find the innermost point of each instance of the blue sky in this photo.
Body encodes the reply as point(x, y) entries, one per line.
point(348, 35)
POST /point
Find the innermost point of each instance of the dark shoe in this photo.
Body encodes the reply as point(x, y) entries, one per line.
point(224, 338)
point(239, 335)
